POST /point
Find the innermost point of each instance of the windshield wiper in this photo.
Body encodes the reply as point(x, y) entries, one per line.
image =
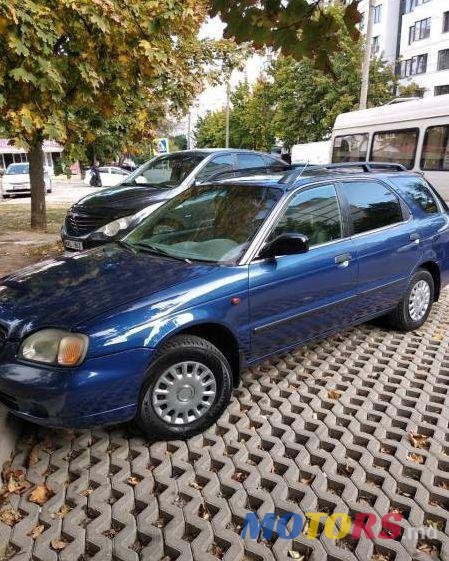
point(160, 251)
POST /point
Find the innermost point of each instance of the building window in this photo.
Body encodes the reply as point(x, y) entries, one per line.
point(414, 65)
point(442, 90)
point(377, 13)
point(410, 5)
point(445, 22)
point(421, 30)
point(362, 21)
point(443, 60)
point(375, 45)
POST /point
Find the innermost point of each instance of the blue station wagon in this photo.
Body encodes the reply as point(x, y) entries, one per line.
point(157, 327)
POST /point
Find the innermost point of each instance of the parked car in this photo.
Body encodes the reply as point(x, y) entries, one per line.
point(16, 180)
point(109, 176)
point(111, 213)
point(157, 327)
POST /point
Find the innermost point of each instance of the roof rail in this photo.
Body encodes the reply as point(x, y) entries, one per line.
point(367, 167)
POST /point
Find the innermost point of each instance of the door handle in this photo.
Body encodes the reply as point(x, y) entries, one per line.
point(415, 237)
point(343, 259)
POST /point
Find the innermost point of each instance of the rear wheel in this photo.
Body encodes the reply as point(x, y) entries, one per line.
point(188, 386)
point(414, 309)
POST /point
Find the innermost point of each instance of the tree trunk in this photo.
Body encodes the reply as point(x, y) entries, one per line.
point(38, 210)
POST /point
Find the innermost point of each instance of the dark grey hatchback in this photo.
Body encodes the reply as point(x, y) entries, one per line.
point(109, 214)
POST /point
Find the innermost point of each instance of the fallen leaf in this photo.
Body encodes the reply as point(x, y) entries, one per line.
point(417, 458)
point(240, 476)
point(295, 555)
point(33, 457)
point(133, 481)
point(36, 532)
point(10, 516)
point(203, 512)
point(111, 533)
point(63, 511)
point(333, 394)
point(418, 440)
point(40, 495)
point(428, 548)
point(58, 545)
point(17, 482)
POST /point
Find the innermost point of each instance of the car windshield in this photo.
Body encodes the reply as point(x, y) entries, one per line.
point(18, 169)
point(166, 172)
point(213, 223)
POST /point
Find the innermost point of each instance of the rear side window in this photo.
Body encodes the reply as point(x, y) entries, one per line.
point(350, 148)
point(435, 154)
point(395, 146)
point(250, 161)
point(417, 190)
point(371, 205)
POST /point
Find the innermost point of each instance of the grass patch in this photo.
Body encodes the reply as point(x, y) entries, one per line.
point(16, 217)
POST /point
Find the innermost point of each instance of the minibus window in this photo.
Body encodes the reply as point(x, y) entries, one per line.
point(350, 148)
point(395, 146)
point(435, 154)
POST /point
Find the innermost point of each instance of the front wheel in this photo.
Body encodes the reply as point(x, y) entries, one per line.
point(414, 309)
point(187, 388)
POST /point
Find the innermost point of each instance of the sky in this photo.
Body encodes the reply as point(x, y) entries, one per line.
point(214, 98)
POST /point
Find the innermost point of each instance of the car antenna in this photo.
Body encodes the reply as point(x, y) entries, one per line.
point(303, 169)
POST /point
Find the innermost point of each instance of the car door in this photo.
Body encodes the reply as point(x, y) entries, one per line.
point(387, 243)
point(294, 298)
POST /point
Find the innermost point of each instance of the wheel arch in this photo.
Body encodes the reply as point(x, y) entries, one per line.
point(433, 268)
point(221, 337)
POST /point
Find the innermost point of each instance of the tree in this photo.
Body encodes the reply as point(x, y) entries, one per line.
point(250, 120)
point(74, 71)
point(307, 99)
point(298, 28)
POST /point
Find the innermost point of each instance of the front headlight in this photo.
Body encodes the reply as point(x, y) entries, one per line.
point(55, 346)
point(113, 228)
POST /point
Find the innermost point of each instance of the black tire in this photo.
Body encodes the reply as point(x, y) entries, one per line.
point(400, 318)
point(180, 349)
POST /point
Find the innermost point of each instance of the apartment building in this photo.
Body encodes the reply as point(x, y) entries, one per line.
point(414, 36)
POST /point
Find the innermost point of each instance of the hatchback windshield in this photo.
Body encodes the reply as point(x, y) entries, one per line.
point(166, 171)
point(18, 169)
point(212, 223)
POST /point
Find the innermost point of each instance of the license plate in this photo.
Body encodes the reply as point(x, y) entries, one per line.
point(73, 244)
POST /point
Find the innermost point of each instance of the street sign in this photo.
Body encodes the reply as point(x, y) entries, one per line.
point(162, 146)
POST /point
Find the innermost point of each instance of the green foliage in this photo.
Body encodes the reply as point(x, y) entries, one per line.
point(250, 122)
point(298, 28)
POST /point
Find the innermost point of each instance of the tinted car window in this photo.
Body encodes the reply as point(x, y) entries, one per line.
point(371, 205)
point(218, 164)
point(315, 213)
point(416, 189)
point(350, 148)
point(435, 154)
point(395, 146)
point(250, 161)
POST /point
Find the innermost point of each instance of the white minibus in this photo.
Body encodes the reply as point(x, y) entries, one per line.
point(413, 133)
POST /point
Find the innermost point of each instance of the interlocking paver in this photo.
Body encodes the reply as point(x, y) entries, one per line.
point(323, 428)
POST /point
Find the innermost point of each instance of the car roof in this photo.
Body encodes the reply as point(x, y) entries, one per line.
point(314, 175)
point(227, 151)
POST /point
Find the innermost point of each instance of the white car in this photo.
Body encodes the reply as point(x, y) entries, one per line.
point(109, 175)
point(16, 180)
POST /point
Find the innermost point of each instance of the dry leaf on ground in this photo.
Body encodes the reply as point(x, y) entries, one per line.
point(40, 495)
point(10, 516)
point(58, 545)
point(334, 394)
point(36, 532)
point(418, 440)
point(133, 481)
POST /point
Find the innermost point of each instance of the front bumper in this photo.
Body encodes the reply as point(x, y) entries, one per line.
point(101, 391)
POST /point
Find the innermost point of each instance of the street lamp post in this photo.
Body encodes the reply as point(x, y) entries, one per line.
point(367, 57)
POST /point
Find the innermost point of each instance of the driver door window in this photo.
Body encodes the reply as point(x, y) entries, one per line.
point(216, 165)
point(315, 213)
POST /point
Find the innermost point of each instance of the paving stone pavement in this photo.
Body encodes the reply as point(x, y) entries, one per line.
point(324, 428)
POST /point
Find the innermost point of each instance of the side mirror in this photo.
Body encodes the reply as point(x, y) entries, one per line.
point(285, 244)
point(141, 180)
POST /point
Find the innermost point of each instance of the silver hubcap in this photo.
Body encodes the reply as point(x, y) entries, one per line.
point(184, 393)
point(419, 300)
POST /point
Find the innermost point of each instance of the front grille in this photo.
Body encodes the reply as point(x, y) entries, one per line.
point(78, 224)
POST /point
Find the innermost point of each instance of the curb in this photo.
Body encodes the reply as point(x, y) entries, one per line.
point(9, 431)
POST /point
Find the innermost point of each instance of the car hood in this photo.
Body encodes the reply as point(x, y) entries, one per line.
point(121, 200)
point(16, 178)
point(67, 291)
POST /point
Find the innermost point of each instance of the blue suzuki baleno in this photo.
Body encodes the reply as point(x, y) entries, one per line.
point(157, 327)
